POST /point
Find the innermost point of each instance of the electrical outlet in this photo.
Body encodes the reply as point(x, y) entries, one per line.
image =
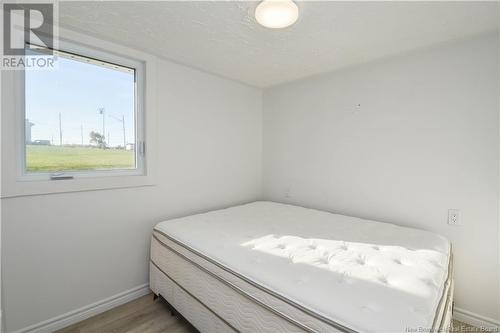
point(454, 217)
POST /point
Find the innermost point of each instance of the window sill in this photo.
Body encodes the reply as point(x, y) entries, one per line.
point(44, 187)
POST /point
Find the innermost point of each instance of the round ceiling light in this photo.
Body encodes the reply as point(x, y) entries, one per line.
point(277, 14)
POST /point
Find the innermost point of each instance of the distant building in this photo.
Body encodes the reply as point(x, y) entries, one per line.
point(130, 146)
point(27, 130)
point(41, 142)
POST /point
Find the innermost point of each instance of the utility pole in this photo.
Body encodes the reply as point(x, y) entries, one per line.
point(102, 111)
point(122, 120)
point(124, 138)
point(81, 131)
point(60, 130)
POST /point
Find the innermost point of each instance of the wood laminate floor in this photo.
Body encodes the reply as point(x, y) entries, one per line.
point(145, 315)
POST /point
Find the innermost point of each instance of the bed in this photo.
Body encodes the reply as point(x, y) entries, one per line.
point(271, 267)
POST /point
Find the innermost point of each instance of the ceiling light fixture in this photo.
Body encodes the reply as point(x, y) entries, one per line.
point(276, 14)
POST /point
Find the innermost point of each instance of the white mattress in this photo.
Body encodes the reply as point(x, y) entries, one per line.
point(366, 276)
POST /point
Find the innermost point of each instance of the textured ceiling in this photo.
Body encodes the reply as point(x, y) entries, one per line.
point(223, 37)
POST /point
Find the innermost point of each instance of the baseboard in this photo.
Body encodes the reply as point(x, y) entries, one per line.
point(88, 311)
point(475, 319)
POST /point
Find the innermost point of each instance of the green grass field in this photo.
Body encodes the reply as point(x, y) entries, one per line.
point(57, 158)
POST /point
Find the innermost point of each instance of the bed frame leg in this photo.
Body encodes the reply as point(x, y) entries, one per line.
point(172, 310)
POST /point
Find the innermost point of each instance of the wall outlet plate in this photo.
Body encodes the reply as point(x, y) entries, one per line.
point(454, 217)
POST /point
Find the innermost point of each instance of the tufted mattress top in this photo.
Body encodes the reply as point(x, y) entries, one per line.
point(364, 275)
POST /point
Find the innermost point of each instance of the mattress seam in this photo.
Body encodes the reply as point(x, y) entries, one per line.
point(445, 293)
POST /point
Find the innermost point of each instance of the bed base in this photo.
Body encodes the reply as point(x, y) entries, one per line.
point(184, 305)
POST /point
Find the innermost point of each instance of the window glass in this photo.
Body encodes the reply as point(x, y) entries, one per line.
point(80, 116)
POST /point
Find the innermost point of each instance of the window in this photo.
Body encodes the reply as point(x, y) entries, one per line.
point(105, 94)
point(83, 118)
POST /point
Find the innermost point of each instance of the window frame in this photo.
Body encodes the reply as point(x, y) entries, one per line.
point(16, 182)
point(99, 56)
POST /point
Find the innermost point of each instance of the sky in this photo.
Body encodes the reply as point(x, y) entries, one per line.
point(77, 90)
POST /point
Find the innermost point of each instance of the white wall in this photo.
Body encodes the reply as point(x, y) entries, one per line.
point(65, 251)
point(424, 139)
